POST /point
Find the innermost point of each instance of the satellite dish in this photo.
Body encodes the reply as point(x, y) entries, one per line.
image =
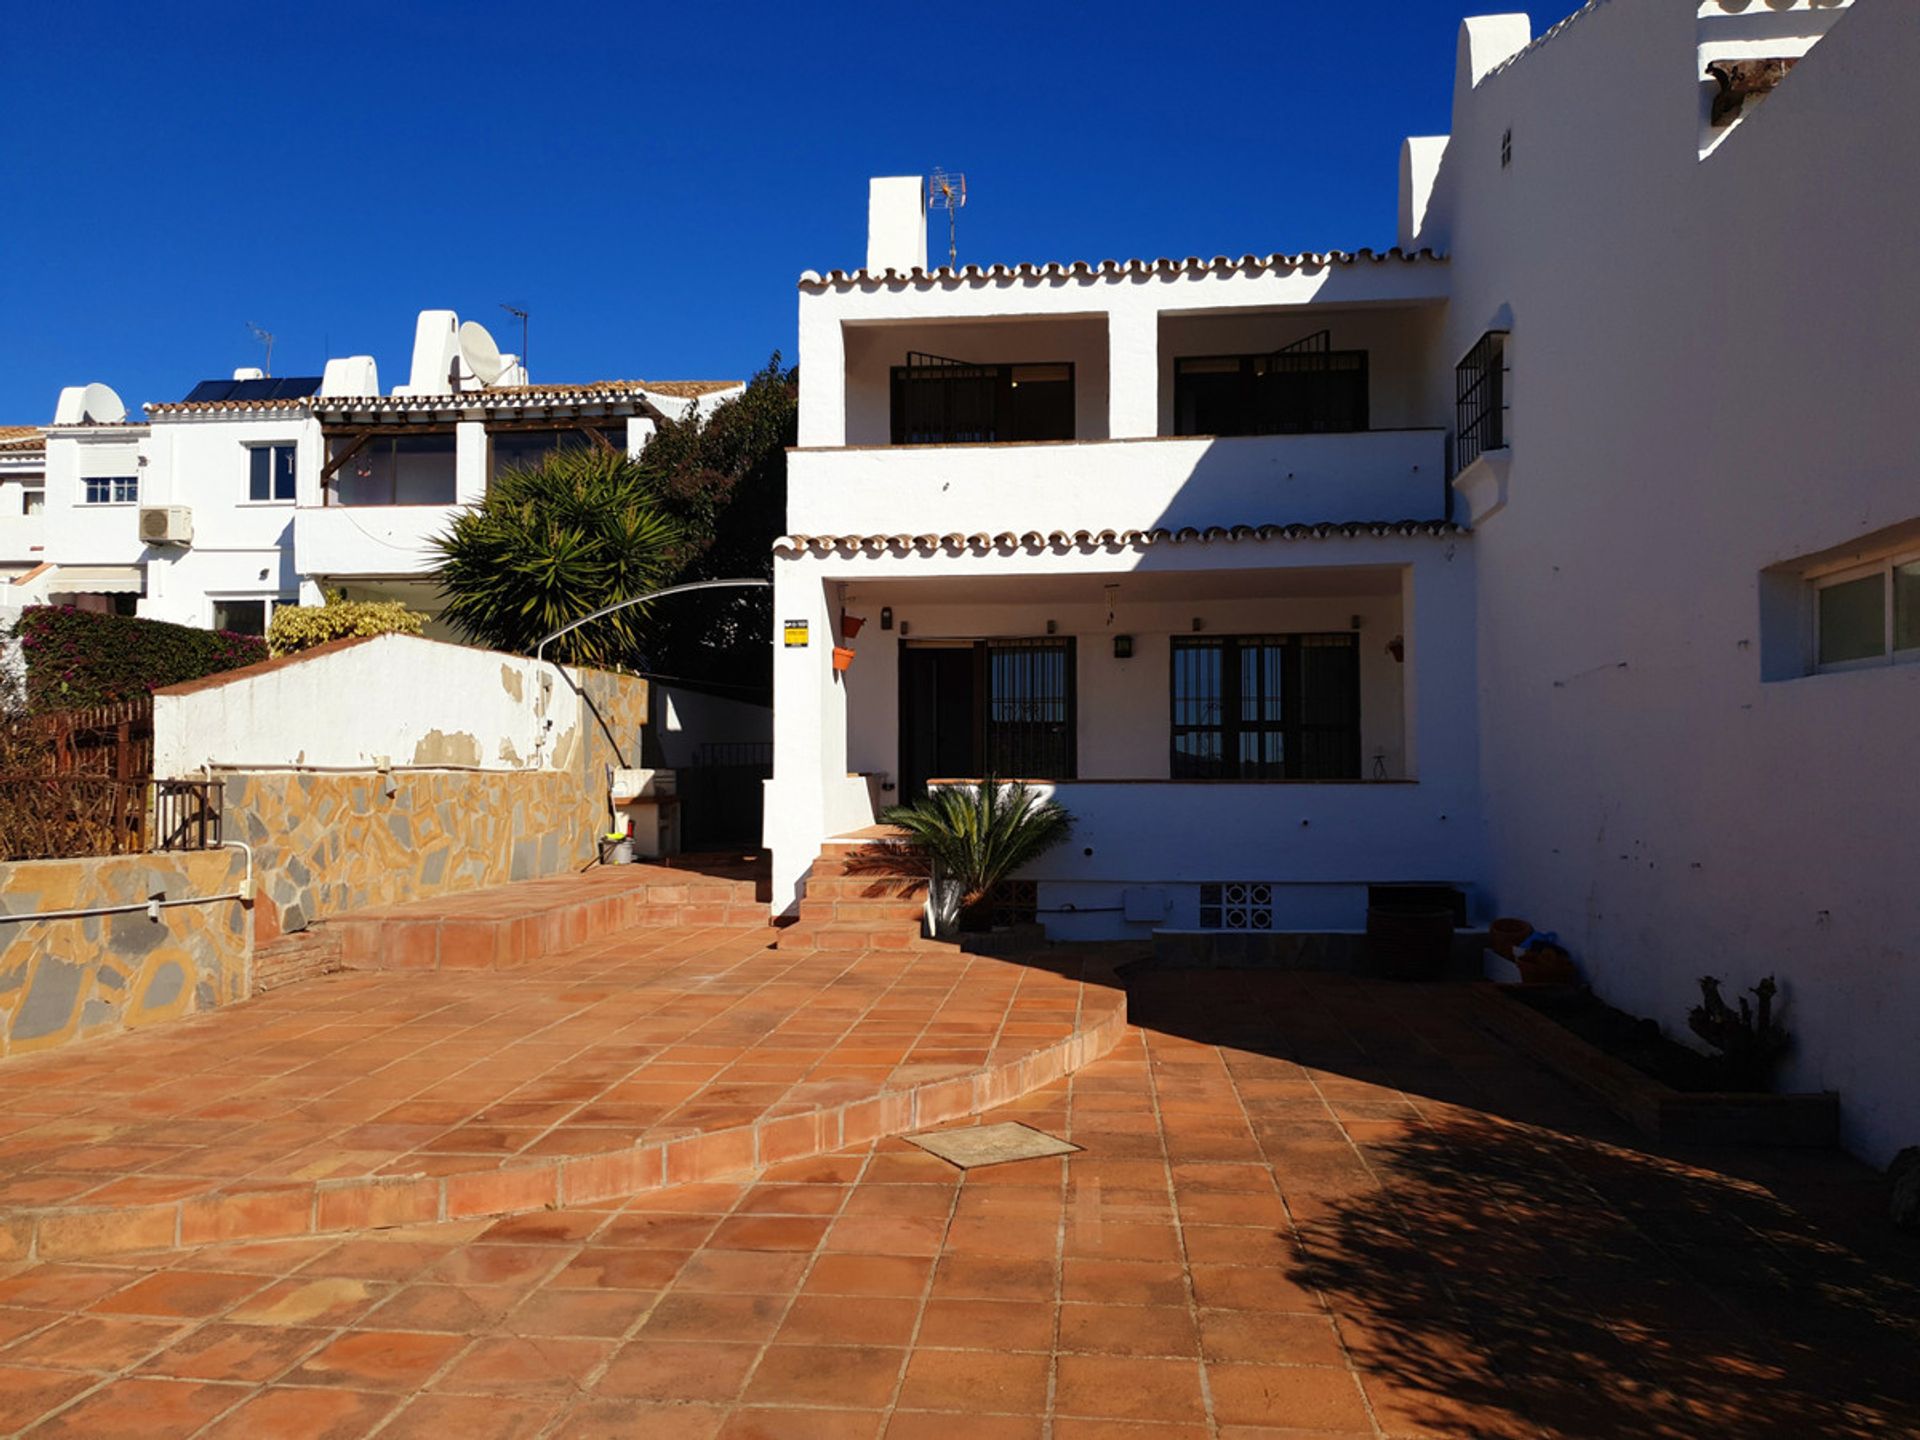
point(101, 406)
point(480, 353)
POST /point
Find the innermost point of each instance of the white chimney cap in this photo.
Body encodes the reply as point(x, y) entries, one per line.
point(897, 223)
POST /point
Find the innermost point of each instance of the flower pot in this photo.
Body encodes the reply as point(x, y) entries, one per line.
point(842, 658)
point(1507, 933)
point(617, 852)
point(850, 625)
point(1546, 965)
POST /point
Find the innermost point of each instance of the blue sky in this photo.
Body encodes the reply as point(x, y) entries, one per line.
point(647, 181)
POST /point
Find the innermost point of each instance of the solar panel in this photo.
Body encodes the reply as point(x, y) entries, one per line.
point(282, 387)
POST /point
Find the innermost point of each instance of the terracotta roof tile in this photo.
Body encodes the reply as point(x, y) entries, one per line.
point(1108, 269)
point(1033, 541)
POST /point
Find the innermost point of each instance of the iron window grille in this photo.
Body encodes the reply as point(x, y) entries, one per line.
point(937, 401)
point(1030, 717)
point(1266, 707)
point(1480, 399)
point(1304, 388)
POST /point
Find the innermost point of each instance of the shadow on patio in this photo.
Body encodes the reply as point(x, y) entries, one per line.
point(1495, 1249)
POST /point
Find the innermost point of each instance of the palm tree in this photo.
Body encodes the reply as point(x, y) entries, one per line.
point(968, 838)
point(553, 542)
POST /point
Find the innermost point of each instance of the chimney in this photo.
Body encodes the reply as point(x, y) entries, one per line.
point(897, 223)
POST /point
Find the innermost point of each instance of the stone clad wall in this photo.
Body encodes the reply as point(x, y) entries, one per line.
point(67, 980)
point(325, 844)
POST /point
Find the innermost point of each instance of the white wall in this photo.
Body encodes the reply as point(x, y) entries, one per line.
point(397, 698)
point(82, 534)
point(1714, 367)
point(1118, 485)
point(829, 728)
point(684, 720)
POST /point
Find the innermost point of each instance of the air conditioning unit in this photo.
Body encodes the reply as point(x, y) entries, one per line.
point(166, 525)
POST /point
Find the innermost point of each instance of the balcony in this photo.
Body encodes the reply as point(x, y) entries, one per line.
point(368, 540)
point(1119, 484)
point(22, 538)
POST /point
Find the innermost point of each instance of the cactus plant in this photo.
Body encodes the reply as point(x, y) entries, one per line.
point(1749, 1040)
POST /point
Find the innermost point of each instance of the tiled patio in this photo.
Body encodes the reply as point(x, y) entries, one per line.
point(651, 1057)
point(1308, 1209)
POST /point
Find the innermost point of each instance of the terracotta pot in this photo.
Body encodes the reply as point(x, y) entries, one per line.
point(842, 658)
point(1546, 965)
point(850, 625)
point(1504, 934)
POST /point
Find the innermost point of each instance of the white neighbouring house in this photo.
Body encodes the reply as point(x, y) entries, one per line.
point(1642, 679)
point(262, 491)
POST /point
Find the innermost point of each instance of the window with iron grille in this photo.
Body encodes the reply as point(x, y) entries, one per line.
point(1266, 707)
point(1236, 905)
point(1029, 709)
point(1480, 399)
point(1304, 388)
point(937, 401)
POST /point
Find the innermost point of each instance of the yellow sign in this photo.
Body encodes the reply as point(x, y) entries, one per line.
point(796, 632)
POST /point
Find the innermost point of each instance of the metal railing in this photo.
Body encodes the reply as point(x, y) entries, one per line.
point(59, 817)
point(187, 814)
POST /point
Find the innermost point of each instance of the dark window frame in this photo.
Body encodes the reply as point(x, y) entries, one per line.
point(1480, 399)
point(964, 403)
point(1281, 666)
point(1304, 388)
point(281, 484)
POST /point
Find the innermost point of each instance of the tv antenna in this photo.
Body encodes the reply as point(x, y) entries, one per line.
point(265, 337)
point(948, 192)
point(521, 315)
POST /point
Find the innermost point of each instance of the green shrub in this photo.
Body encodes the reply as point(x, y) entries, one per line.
point(301, 627)
point(77, 658)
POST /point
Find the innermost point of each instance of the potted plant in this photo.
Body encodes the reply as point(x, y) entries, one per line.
point(1751, 1043)
point(1506, 933)
point(1544, 961)
point(968, 838)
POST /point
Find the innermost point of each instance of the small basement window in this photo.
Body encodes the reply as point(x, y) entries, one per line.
point(1869, 615)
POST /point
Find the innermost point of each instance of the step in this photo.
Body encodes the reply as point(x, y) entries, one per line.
point(864, 887)
point(844, 935)
point(861, 912)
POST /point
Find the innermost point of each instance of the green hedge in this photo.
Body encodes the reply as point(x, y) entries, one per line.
point(77, 658)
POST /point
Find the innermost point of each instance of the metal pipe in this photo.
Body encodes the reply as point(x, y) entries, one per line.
point(149, 906)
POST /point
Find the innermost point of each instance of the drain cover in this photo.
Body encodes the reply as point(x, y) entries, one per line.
point(990, 1144)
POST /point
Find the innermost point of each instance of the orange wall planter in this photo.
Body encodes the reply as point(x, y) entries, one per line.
point(842, 658)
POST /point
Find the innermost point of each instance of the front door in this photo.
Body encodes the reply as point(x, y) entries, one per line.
point(939, 716)
point(973, 708)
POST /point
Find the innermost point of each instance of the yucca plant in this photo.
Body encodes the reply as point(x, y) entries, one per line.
point(968, 838)
point(556, 541)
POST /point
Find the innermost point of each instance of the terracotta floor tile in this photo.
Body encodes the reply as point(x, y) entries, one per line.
point(633, 1419)
point(987, 1324)
point(333, 1300)
point(27, 1394)
point(139, 1409)
point(972, 1380)
point(651, 1231)
point(88, 1342)
point(847, 1320)
point(946, 1425)
point(1266, 1337)
point(1163, 1330)
point(766, 1199)
point(592, 1314)
point(180, 1294)
point(678, 1370)
point(991, 1278)
point(379, 1360)
point(1303, 1397)
point(1128, 1388)
point(853, 1377)
point(597, 1269)
point(698, 1315)
point(453, 1309)
point(546, 1227)
point(306, 1415)
point(750, 1272)
point(1250, 1287)
point(1123, 1282)
point(783, 1424)
point(221, 1351)
point(474, 1417)
point(770, 1232)
point(890, 1275)
point(514, 1365)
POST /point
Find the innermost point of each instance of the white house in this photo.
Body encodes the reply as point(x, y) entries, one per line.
point(1177, 536)
point(23, 495)
point(259, 491)
point(1697, 540)
point(1170, 534)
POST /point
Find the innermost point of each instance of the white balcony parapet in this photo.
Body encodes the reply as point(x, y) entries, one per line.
point(1120, 484)
point(368, 540)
